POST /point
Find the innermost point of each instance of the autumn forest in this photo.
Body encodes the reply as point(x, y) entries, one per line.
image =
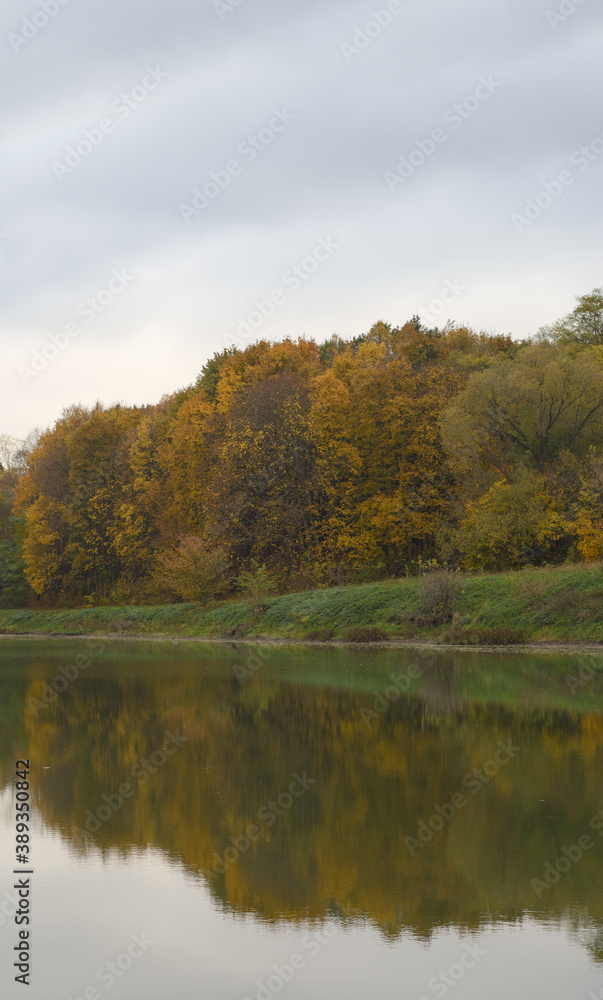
point(312, 465)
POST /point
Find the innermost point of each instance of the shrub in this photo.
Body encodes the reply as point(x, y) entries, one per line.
point(193, 570)
point(407, 630)
point(236, 631)
point(320, 634)
point(256, 584)
point(478, 635)
point(364, 633)
point(437, 598)
point(566, 603)
point(533, 589)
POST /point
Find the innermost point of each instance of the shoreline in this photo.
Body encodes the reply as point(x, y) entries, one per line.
point(556, 609)
point(544, 646)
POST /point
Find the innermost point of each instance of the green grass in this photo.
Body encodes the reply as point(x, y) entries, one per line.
point(563, 604)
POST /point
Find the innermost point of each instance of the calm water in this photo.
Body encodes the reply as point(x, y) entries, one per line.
point(230, 822)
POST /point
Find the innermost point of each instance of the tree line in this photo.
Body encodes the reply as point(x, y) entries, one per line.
point(295, 465)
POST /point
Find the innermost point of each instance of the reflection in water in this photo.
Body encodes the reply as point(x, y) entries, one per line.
point(280, 796)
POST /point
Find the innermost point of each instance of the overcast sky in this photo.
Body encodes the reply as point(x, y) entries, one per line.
point(387, 151)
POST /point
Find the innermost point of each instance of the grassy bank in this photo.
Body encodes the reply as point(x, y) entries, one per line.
point(562, 604)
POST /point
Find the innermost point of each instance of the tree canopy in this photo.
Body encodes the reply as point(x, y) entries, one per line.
point(318, 464)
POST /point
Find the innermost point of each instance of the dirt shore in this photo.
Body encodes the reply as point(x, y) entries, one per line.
point(531, 647)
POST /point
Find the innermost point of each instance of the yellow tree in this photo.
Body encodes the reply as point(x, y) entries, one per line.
point(395, 432)
point(45, 546)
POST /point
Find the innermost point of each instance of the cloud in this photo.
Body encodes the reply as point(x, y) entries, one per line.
point(322, 177)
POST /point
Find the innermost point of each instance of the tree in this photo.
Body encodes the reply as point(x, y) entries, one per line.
point(526, 409)
point(10, 448)
point(512, 525)
point(14, 589)
point(45, 547)
point(584, 325)
point(259, 488)
point(257, 585)
point(194, 570)
point(209, 376)
point(388, 436)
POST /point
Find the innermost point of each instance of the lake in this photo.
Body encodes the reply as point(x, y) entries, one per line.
point(231, 821)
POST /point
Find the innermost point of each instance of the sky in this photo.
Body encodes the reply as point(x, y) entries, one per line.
point(182, 176)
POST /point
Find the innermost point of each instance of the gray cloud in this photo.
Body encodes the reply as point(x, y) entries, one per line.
point(356, 114)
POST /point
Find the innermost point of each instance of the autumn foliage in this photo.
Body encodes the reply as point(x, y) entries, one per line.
point(321, 465)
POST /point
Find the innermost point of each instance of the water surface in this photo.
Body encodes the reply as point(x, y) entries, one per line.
point(305, 822)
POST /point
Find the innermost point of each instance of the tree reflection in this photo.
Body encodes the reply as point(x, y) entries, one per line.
point(341, 845)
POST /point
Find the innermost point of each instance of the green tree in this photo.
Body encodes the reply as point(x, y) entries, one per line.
point(14, 589)
point(527, 409)
point(209, 376)
point(584, 325)
point(513, 524)
point(257, 585)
